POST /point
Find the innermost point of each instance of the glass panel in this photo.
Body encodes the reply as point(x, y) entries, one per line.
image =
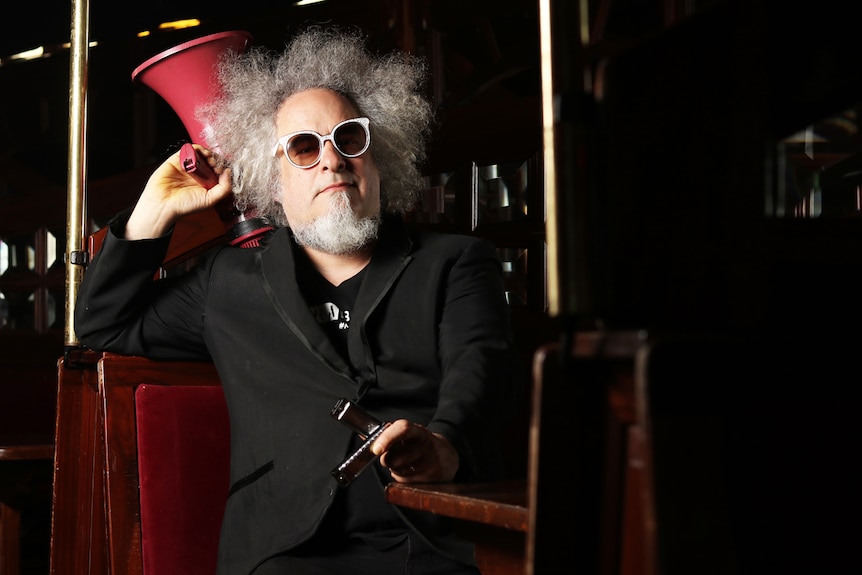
point(515, 274)
point(819, 170)
point(4, 257)
point(52, 248)
point(18, 310)
point(438, 194)
point(56, 249)
point(475, 196)
point(503, 192)
point(18, 254)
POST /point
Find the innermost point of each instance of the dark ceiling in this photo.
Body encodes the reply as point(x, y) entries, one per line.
point(34, 94)
point(491, 50)
point(47, 22)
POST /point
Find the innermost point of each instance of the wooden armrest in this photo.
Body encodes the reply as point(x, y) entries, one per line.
point(26, 452)
point(491, 515)
point(502, 504)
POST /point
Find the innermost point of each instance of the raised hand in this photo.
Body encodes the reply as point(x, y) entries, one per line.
point(172, 192)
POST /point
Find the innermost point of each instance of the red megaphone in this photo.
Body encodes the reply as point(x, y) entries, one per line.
point(185, 77)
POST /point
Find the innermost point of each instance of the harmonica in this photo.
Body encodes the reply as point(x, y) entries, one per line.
point(368, 427)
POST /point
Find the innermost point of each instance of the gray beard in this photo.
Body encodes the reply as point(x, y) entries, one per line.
point(339, 231)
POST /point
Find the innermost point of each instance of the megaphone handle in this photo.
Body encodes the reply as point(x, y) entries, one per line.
point(197, 166)
point(243, 231)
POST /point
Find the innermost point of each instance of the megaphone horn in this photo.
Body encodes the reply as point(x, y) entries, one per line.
point(185, 77)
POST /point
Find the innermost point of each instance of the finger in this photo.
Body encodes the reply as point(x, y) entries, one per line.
point(393, 438)
point(408, 471)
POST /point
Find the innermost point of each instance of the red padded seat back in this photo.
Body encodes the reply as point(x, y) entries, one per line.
point(183, 469)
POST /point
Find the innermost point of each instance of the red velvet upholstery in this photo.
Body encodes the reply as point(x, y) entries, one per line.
point(183, 451)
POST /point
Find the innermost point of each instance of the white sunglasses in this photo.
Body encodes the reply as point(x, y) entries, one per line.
point(304, 149)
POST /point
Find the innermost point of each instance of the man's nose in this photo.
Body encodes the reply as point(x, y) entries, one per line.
point(331, 157)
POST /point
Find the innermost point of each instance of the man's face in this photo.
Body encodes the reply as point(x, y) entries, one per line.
point(307, 194)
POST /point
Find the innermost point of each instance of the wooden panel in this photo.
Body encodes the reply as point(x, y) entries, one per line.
point(498, 551)
point(583, 409)
point(78, 526)
point(25, 497)
point(582, 506)
point(119, 376)
point(96, 506)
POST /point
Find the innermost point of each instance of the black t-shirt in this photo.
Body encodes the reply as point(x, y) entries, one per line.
point(360, 510)
point(330, 305)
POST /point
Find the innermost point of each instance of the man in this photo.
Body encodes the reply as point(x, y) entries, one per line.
point(342, 299)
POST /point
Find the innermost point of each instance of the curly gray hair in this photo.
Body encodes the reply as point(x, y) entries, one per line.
point(385, 88)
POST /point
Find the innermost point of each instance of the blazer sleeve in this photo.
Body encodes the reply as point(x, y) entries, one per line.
point(481, 369)
point(122, 309)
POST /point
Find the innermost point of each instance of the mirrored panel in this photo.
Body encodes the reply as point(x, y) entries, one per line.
point(442, 194)
point(524, 275)
point(17, 254)
point(818, 170)
point(503, 192)
point(4, 256)
point(515, 274)
point(474, 196)
point(55, 247)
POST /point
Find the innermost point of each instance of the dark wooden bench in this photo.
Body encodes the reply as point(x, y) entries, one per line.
point(114, 513)
point(26, 463)
point(579, 508)
point(25, 484)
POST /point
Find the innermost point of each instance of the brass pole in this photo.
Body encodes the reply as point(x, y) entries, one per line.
point(573, 282)
point(75, 259)
point(571, 226)
point(549, 156)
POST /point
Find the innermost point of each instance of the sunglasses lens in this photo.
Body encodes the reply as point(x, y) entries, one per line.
point(303, 149)
point(350, 139)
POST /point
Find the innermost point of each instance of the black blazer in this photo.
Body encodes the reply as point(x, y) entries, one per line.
point(429, 341)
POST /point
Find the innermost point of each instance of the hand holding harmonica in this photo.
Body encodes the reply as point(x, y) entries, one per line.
point(410, 451)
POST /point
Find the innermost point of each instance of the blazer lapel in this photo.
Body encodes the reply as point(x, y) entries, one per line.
point(388, 262)
point(277, 267)
point(391, 256)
